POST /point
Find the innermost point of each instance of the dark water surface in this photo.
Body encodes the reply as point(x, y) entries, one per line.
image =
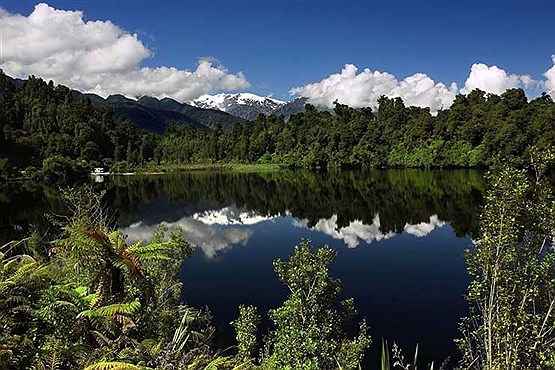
point(400, 237)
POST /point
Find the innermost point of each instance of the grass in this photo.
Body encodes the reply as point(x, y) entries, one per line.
point(185, 167)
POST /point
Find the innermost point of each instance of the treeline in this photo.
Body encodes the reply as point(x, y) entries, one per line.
point(479, 129)
point(49, 128)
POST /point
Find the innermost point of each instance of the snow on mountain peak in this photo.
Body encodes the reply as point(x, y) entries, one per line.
point(245, 98)
point(245, 105)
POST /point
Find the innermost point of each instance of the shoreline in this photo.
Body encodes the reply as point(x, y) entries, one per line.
point(233, 167)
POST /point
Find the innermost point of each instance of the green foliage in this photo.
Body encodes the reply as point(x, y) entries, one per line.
point(385, 360)
point(21, 280)
point(5, 169)
point(512, 292)
point(62, 170)
point(310, 331)
point(97, 298)
point(246, 327)
point(396, 357)
point(51, 127)
point(114, 365)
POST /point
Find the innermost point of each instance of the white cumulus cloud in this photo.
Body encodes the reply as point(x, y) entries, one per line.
point(231, 215)
point(99, 57)
point(550, 76)
point(493, 79)
point(424, 228)
point(211, 239)
point(356, 231)
point(364, 89)
point(350, 235)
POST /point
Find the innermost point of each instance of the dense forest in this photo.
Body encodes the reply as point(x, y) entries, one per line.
point(50, 128)
point(47, 127)
point(478, 130)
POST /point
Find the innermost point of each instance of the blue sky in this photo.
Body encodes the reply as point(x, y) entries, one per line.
point(279, 45)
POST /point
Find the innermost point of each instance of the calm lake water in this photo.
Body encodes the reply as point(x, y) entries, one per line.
point(399, 236)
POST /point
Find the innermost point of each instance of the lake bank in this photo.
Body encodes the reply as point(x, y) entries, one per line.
point(190, 167)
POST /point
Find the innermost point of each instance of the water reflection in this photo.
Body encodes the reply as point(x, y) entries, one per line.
point(350, 234)
point(231, 216)
point(217, 230)
point(358, 230)
point(409, 282)
point(398, 197)
point(212, 231)
point(353, 206)
point(424, 228)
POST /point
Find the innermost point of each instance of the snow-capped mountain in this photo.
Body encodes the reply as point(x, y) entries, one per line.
point(244, 105)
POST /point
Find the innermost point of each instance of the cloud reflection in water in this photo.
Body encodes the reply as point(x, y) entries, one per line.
point(210, 230)
point(357, 230)
point(216, 230)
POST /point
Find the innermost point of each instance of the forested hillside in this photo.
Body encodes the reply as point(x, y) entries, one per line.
point(47, 126)
point(40, 122)
point(478, 130)
point(156, 114)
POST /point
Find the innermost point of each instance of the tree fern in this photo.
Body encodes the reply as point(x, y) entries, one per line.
point(105, 318)
point(101, 259)
point(219, 362)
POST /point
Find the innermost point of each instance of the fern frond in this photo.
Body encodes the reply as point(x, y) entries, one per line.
point(81, 290)
point(112, 310)
point(125, 321)
point(45, 311)
point(152, 247)
point(217, 363)
point(129, 260)
point(113, 365)
point(54, 360)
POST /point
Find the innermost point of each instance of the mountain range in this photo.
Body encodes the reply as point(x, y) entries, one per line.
point(156, 114)
point(249, 106)
point(244, 105)
point(204, 113)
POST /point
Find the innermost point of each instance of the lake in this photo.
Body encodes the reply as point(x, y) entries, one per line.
point(399, 236)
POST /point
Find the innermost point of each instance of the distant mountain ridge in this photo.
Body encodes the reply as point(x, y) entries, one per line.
point(157, 114)
point(204, 113)
point(293, 107)
point(249, 106)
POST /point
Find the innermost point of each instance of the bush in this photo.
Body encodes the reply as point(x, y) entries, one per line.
point(62, 170)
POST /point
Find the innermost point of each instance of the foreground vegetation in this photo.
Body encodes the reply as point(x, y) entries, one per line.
point(512, 294)
point(96, 302)
point(52, 130)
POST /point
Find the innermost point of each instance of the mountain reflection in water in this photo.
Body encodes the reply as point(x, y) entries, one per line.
point(219, 229)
